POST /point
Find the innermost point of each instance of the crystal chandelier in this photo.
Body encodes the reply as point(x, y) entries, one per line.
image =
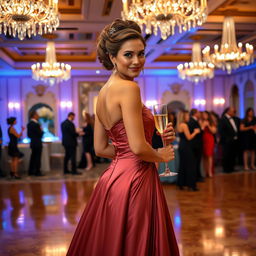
point(28, 17)
point(196, 70)
point(230, 56)
point(165, 15)
point(50, 71)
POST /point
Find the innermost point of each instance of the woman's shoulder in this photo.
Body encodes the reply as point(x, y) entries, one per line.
point(181, 127)
point(11, 129)
point(126, 85)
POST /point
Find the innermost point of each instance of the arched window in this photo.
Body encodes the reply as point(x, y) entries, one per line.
point(175, 106)
point(248, 95)
point(234, 97)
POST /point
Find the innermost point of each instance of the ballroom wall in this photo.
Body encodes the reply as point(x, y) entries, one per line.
point(160, 88)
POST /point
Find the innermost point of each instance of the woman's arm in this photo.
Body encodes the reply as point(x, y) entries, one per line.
point(101, 141)
point(14, 132)
point(130, 103)
point(189, 136)
point(212, 128)
point(243, 128)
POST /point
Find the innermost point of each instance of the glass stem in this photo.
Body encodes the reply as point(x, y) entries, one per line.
point(166, 164)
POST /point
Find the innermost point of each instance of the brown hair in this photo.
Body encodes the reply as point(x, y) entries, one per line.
point(181, 117)
point(112, 38)
point(247, 113)
point(11, 120)
point(87, 117)
point(209, 118)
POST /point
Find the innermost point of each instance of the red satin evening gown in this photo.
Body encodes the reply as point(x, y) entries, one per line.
point(127, 214)
point(208, 142)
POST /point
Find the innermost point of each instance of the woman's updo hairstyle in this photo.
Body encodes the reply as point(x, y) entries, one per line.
point(11, 120)
point(113, 36)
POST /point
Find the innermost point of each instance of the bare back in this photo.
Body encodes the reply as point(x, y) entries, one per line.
point(108, 107)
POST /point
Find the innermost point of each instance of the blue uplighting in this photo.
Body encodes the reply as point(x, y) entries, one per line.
point(177, 219)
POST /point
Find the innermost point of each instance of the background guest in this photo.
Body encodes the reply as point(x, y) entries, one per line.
point(228, 129)
point(35, 134)
point(88, 141)
point(209, 129)
point(196, 141)
point(69, 141)
point(172, 118)
point(156, 143)
point(187, 175)
point(13, 150)
point(248, 138)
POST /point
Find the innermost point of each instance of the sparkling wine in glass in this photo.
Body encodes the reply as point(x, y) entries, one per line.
point(161, 121)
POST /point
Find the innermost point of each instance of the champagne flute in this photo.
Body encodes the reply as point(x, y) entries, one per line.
point(161, 121)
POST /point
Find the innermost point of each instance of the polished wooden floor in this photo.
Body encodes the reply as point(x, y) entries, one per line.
point(38, 215)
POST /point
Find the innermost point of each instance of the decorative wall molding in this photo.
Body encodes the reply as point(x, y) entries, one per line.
point(177, 95)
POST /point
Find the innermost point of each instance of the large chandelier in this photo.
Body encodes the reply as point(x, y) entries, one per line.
point(196, 70)
point(50, 71)
point(230, 55)
point(165, 15)
point(28, 17)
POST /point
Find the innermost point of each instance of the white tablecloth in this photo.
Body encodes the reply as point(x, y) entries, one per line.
point(25, 149)
point(48, 149)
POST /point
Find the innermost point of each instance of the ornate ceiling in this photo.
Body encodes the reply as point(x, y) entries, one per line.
point(81, 22)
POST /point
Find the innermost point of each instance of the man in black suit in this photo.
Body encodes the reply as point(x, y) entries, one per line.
point(1, 141)
point(69, 141)
point(35, 134)
point(197, 142)
point(228, 130)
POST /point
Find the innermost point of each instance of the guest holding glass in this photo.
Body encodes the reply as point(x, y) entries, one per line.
point(35, 133)
point(248, 134)
point(209, 130)
point(88, 140)
point(13, 150)
point(127, 213)
point(187, 175)
point(69, 141)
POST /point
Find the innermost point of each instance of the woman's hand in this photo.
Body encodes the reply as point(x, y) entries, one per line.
point(205, 124)
point(169, 134)
point(167, 153)
point(197, 130)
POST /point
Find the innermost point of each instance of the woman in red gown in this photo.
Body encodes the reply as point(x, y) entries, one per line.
point(127, 214)
point(209, 129)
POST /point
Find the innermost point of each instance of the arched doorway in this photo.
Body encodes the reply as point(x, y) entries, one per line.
point(234, 98)
point(248, 95)
point(46, 119)
point(175, 106)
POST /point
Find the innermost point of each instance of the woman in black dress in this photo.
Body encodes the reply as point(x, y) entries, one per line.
point(187, 171)
point(13, 151)
point(248, 134)
point(88, 141)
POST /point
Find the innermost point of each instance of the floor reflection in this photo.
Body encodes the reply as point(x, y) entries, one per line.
point(218, 220)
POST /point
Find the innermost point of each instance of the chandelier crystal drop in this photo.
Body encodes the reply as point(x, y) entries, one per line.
point(50, 71)
point(196, 70)
point(28, 17)
point(229, 55)
point(165, 15)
